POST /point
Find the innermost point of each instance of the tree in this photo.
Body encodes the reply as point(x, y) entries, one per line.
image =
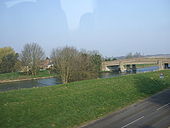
point(32, 56)
point(64, 61)
point(135, 55)
point(73, 65)
point(129, 55)
point(8, 63)
point(96, 61)
point(6, 51)
point(109, 58)
point(90, 64)
point(8, 60)
point(17, 66)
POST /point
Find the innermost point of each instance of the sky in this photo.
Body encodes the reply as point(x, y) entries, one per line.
point(113, 27)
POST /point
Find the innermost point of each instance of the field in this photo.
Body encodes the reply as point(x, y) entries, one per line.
point(73, 104)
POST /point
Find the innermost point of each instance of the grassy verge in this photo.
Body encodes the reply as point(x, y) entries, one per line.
point(18, 76)
point(70, 105)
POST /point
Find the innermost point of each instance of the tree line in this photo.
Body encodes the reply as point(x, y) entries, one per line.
point(135, 55)
point(69, 64)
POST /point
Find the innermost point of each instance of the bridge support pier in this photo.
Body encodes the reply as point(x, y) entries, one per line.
point(128, 68)
point(104, 68)
point(122, 68)
point(160, 63)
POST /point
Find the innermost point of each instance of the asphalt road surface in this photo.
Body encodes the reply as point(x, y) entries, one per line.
point(153, 112)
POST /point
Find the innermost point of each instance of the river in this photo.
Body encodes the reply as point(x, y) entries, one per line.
point(54, 81)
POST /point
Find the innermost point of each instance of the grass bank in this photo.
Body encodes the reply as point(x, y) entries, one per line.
point(21, 76)
point(70, 105)
point(145, 65)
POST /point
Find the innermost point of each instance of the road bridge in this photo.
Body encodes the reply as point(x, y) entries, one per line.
point(130, 64)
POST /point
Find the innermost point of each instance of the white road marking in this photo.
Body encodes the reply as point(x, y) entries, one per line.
point(162, 106)
point(132, 122)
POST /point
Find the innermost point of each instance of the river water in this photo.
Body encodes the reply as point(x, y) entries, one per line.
point(54, 81)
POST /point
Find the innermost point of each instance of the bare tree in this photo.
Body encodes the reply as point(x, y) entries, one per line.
point(32, 56)
point(64, 60)
point(72, 65)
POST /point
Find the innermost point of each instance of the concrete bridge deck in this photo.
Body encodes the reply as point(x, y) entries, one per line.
point(122, 63)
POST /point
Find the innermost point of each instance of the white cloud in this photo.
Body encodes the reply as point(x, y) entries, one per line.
point(12, 3)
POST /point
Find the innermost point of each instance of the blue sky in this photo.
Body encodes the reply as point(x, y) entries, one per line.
point(113, 27)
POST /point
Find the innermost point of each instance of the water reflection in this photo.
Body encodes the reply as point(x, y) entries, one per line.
point(115, 74)
point(148, 69)
point(29, 84)
point(54, 81)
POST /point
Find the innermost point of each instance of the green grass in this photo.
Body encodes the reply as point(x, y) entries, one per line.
point(70, 105)
point(145, 65)
point(18, 75)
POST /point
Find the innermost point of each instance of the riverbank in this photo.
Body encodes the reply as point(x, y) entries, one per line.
point(16, 76)
point(36, 78)
point(73, 104)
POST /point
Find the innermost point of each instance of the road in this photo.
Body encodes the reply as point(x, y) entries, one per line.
point(153, 112)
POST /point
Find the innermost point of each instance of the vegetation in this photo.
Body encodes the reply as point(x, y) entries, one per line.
point(73, 65)
point(69, 63)
point(69, 105)
point(6, 51)
point(145, 65)
point(31, 57)
point(22, 75)
point(9, 63)
point(110, 58)
point(135, 55)
point(9, 60)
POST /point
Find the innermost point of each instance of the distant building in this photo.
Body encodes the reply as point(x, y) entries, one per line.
point(46, 64)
